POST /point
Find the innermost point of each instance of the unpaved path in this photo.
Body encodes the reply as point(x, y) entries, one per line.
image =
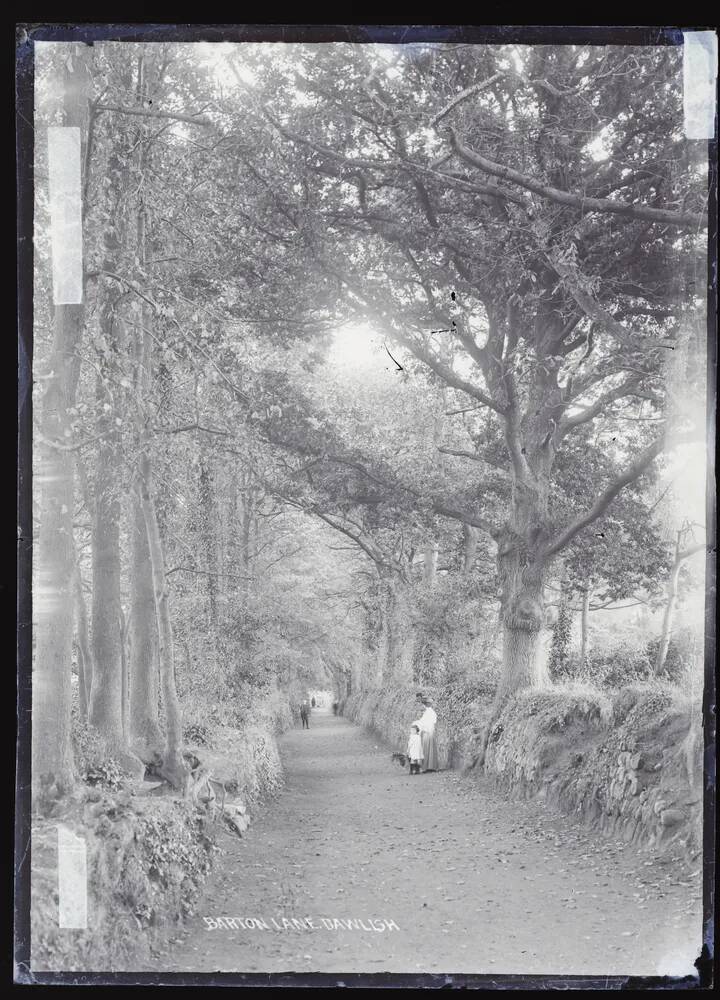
point(474, 882)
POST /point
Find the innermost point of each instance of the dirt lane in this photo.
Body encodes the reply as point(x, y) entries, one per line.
point(472, 881)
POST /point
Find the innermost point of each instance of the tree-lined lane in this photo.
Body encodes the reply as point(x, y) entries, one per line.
point(472, 882)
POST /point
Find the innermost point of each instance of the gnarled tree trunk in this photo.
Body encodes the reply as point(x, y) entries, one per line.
point(522, 573)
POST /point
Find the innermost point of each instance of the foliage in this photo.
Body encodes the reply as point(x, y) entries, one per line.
point(684, 653)
point(295, 494)
point(617, 666)
point(197, 734)
point(144, 872)
point(169, 852)
point(94, 763)
point(559, 658)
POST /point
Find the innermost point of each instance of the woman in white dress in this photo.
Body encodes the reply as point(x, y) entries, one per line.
point(427, 722)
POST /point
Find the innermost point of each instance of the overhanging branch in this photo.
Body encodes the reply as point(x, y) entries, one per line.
point(683, 220)
point(641, 464)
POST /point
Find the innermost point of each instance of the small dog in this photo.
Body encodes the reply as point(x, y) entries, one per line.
point(401, 758)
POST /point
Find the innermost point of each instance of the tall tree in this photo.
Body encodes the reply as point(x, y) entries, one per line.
point(535, 224)
point(52, 750)
point(685, 547)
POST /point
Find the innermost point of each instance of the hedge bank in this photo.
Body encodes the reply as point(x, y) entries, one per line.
point(147, 858)
point(628, 763)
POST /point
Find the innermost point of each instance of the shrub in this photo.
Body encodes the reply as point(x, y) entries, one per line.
point(616, 667)
point(94, 764)
point(146, 862)
point(197, 734)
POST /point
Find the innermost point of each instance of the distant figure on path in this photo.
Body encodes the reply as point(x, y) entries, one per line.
point(427, 722)
point(415, 749)
point(305, 715)
point(335, 708)
point(312, 702)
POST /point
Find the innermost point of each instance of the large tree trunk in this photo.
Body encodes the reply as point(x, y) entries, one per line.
point(145, 735)
point(52, 760)
point(85, 670)
point(52, 752)
point(173, 767)
point(521, 660)
point(523, 665)
point(144, 676)
point(106, 692)
point(522, 564)
point(109, 684)
point(523, 572)
point(470, 543)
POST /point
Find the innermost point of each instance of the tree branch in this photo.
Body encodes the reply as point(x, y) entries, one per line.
point(463, 95)
point(473, 456)
point(368, 546)
point(205, 572)
point(146, 113)
point(460, 515)
point(190, 427)
point(593, 310)
point(686, 553)
point(448, 376)
point(683, 220)
point(633, 472)
point(584, 416)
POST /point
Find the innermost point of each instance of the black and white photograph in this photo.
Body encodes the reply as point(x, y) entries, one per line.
point(366, 505)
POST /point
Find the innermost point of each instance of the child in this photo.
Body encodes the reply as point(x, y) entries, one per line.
point(414, 749)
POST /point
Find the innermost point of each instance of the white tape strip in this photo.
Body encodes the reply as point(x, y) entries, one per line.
point(700, 56)
point(65, 214)
point(72, 879)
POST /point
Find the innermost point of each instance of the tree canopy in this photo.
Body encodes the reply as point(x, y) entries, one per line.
point(519, 230)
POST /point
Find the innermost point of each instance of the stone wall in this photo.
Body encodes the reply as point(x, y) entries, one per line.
point(629, 763)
